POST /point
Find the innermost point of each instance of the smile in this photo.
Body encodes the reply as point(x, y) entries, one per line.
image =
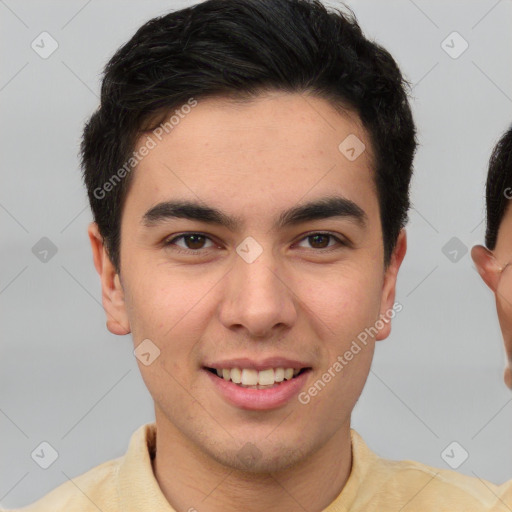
point(250, 378)
point(257, 390)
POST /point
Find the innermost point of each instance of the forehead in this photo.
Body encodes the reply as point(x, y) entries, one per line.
point(279, 148)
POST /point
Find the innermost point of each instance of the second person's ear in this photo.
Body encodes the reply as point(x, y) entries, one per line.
point(487, 266)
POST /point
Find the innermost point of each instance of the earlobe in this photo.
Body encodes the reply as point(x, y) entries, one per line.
point(508, 377)
point(487, 266)
point(117, 319)
point(389, 286)
point(111, 288)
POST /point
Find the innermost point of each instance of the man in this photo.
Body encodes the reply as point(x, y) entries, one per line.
point(493, 261)
point(248, 170)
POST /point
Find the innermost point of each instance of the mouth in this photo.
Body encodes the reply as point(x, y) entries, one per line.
point(251, 378)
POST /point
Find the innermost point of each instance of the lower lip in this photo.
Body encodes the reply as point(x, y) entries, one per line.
point(259, 399)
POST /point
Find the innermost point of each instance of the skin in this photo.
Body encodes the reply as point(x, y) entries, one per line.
point(296, 300)
point(495, 268)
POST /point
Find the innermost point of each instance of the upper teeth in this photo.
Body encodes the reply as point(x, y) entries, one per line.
point(250, 377)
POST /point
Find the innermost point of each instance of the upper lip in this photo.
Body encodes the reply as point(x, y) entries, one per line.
point(262, 364)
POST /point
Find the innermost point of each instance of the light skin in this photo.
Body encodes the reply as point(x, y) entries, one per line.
point(495, 268)
point(304, 298)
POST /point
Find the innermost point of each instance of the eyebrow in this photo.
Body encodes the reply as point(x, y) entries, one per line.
point(328, 207)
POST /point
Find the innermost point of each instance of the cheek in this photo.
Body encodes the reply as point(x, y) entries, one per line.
point(346, 301)
point(151, 308)
point(169, 308)
point(170, 316)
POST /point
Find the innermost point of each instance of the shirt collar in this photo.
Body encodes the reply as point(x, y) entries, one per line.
point(137, 486)
point(139, 491)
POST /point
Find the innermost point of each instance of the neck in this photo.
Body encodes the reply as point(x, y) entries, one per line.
point(192, 481)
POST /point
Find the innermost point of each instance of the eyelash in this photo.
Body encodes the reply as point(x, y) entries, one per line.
point(170, 242)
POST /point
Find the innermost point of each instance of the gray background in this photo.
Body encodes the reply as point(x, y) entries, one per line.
point(66, 380)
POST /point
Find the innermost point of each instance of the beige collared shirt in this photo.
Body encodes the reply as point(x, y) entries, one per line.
point(127, 484)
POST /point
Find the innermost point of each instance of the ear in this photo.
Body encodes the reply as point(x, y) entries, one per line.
point(487, 266)
point(389, 285)
point(112, 293)
point(508, 376)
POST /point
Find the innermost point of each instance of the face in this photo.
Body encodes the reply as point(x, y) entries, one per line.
point(495, 267)
point(234, 282)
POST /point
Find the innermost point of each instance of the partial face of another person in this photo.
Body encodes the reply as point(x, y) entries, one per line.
point(495, 268)
point(248, 285)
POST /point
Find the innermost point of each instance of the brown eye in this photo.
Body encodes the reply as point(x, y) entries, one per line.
point(321, 241)
point(194, 242)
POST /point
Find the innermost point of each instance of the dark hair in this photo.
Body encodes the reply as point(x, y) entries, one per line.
point(239, 49)
point(499, 181)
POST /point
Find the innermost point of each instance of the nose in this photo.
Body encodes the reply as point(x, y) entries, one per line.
point(258, 298)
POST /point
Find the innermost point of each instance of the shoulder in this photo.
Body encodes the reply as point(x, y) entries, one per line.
point(83, 493)
point(107, 486)
point(442, 487)
point(407, 483)
point(505, 497)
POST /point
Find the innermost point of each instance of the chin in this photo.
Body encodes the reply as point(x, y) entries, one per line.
point(251, 459)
